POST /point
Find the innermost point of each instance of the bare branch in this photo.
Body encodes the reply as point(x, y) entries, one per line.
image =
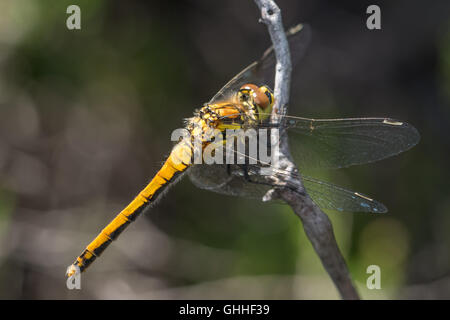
point(316, 223)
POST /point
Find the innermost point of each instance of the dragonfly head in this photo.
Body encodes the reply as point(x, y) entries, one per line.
point(259, 98)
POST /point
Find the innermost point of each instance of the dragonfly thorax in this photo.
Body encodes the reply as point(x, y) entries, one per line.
point(247, 107)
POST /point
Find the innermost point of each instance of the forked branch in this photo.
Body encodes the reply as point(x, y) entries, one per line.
point(316, 223)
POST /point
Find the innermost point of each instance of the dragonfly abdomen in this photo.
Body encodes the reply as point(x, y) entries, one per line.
point(176, 164)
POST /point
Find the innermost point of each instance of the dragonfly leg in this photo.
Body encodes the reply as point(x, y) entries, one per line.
point(245, 171)
point(244, 168)
point(246, 175)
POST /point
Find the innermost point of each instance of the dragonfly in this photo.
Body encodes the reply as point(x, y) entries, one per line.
point(247, 101)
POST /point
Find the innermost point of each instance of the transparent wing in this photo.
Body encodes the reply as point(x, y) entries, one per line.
point(263, 71)
point(328, 196)
point(228, 180)
point(339, 143)
point(232, 181)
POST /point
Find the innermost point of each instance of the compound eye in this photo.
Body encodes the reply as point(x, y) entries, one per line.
point(261, 99)
point(259, 96)
point(249, 87)
point(268, 93)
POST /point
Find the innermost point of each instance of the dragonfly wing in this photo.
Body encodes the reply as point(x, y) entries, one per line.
point(209, 177)
point(232, 180)
point(328, 196)
point(263, 71)
point(218, 178)
point(228, 180)
point(340, 143)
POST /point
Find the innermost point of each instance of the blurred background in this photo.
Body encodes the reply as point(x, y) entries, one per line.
point(85, 122)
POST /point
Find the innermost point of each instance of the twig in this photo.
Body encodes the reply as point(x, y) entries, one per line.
point(316, 223)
